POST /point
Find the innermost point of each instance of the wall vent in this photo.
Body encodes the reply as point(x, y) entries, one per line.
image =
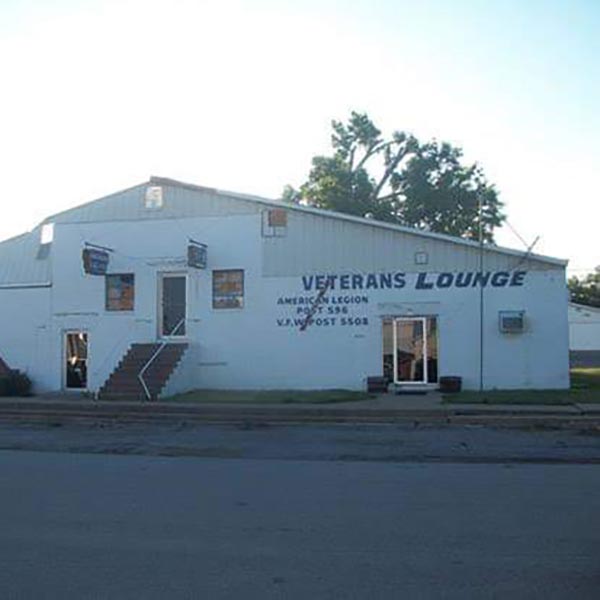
point(421, 258)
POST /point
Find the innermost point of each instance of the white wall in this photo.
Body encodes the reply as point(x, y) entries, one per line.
point(145, 248)
point(253, 347)
point(268, 355)
point(26, 337)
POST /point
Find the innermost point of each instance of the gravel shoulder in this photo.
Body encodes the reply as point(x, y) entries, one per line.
point(402, 442)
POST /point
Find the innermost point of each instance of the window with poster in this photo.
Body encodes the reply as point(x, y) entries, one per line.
point(120, 292)
point(228, 288)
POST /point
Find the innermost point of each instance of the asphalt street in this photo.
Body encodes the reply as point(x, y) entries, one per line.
point(79, 525)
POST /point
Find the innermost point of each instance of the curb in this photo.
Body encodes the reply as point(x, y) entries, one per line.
point(55, 412)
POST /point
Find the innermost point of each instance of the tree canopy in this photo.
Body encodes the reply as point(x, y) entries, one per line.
point(400, 180)
point(586, 290)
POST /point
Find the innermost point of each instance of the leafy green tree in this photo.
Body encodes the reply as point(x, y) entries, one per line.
point(586, 290)
point(401, 181)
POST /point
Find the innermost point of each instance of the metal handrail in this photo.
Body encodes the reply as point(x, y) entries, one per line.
point(153, 358)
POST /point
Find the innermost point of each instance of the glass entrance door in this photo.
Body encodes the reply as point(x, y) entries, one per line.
point(172, 305)
point(410, 342)
point(76, 359)
point(410, 349)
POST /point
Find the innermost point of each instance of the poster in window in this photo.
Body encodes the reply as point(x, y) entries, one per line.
point(228, 288)
point(120, 292)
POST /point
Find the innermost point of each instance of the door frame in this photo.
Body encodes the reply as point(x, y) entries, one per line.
point(63, 360)
point(161, 276)
point(423, 320)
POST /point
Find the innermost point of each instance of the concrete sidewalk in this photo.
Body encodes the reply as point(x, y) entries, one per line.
point(433, 401)
point(383, 408)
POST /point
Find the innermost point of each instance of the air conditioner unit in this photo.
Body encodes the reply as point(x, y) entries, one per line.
point(512, 321)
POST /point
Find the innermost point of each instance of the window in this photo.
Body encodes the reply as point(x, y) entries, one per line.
point(228, 288)
point(277, 217)
point(119, 292)
point(153, 200)
point(47, 233)
point(274, 222)
point(46, 239)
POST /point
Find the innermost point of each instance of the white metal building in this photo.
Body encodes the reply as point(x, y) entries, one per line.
point(584, 335)
point(289, 297)
point(584, 327)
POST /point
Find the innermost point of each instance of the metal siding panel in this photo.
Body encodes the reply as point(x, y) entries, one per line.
point(178, 203)
point(18, 262)
point(320, 244)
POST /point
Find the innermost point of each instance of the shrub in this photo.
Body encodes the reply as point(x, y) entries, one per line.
point(16, 384)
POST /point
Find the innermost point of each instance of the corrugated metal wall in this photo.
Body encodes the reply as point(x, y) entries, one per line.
point(179, 202)
point(19, 262)
point(315, 243)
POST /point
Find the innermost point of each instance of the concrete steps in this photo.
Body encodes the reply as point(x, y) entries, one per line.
point(124, 383)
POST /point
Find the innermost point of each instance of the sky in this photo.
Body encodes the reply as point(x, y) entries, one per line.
point(96, 96)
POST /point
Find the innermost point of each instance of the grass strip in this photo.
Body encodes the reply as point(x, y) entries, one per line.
point(585, 389)
point(270, 396)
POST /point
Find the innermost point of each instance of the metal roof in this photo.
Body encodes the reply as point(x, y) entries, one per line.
point(19, 262)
